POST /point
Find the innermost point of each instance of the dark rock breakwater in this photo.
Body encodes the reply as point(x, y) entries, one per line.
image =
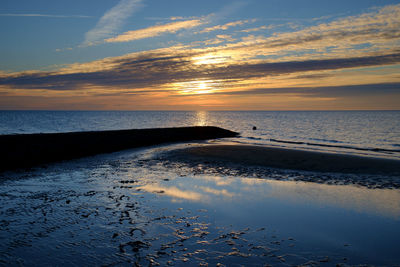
point(28, 150)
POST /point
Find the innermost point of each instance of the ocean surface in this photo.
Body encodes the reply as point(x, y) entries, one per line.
point(371, 133)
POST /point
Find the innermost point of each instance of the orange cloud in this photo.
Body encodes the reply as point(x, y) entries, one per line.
point(155, 31)
point(226, 26)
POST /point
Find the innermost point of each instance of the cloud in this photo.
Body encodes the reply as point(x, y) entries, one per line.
point(44, 15)
point(154, 69)
point(368, 33)
point(226, 26)
point(111, 21)
point(183, 23)
point(373, 28)
point(259, 28)
point(155, 31)
point(278, 68)
point(325, 91)
point(219, 38)
point(229, 9)
point(128, 71)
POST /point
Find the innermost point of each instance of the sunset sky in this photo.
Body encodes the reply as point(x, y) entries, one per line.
point(200, 55)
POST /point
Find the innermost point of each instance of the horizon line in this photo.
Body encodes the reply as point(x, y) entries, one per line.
point(200, 110)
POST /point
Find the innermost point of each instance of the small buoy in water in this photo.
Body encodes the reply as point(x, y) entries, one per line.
point(254, 128)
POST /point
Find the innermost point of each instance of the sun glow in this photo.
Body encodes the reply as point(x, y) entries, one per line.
point(209, 59)
point(196, 87)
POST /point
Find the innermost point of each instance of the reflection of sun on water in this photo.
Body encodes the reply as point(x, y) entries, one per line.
point(201, 118)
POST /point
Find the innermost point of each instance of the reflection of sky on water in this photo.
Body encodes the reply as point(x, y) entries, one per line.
point(213, 189)
point(347, 220)
point(173, 192)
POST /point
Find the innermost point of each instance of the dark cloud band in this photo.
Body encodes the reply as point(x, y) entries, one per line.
point(157, 69)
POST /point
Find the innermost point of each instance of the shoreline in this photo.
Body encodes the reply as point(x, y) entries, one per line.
point(287, 164)
point(28, 150)
point(296, 159)
point(292, 159)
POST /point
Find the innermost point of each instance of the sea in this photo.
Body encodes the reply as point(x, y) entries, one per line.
point(366, 133)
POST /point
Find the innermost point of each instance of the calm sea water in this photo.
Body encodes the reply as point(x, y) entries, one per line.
point(374, 133)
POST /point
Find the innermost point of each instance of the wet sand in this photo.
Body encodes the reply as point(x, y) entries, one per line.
point(28, 150)
point(293, 159)
point(276, 163)
point(131, 208)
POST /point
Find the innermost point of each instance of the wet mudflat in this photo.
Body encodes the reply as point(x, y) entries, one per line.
point(136, 207)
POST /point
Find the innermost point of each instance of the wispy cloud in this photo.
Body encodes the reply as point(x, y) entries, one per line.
point(180, 23)
point(111, 21)
point(219, 38)
point(228, 10)
point(367, 34)
point(226, 26)
point(373, 27)
point(44, 15)
point(156, 30)
point(259, 28)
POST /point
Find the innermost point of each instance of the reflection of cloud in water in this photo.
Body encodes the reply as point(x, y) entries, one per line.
point(203, 194)
point(378, 201)
point(218, 180)
point(173, 192)
point(217, 192)
point(210, 188)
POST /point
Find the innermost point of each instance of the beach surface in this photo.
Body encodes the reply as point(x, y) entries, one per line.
point(293, 159)
point(174, 205)
point(263, 161)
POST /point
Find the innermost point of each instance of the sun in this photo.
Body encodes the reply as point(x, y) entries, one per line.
point(202, 86)
point(196, 87)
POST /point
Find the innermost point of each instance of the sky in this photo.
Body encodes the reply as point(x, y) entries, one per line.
point(199, 55)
